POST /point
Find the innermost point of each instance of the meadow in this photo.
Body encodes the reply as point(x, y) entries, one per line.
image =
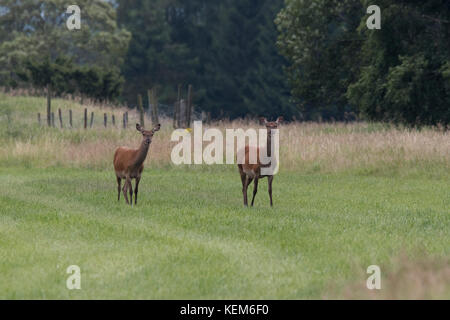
point(348, 195)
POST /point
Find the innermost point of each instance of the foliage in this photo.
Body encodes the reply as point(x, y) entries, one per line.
point(34, 36)
point(397, 74)
point(224, 48)
point(403, 74)
point(320, 41)
point(64, 76)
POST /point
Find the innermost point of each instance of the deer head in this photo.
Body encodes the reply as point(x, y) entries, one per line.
point(147, 134)
point(271, 125)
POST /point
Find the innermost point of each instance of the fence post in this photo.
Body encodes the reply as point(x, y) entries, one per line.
point(153, 101)
point(105, 120)
point(141, 110)
point(155, 107)
point(60, 118)
point(113, 119)
point(176, 110)
point(92, 119)
point(53, 119)
point(189, 107)
point(49, 106)
point(70, 118)
point(126, 119)
point(85, 118)
point(183, 107)
point(150, 102)
point(39, 118)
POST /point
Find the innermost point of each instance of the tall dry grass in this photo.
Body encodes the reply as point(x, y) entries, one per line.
point(304, 147)
point(405, 278)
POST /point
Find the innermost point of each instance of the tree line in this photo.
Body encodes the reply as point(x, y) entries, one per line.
point(399, 73)
point(308, 60)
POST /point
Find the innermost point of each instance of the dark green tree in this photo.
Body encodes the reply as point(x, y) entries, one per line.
point(35, 38)
point(399, 73)
point(154, 58)
point(321, 43)
point(245, 73)
point(404, 74)
point(226, 49)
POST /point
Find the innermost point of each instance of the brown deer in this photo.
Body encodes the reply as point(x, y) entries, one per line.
point(250, 172)
point(129, 164)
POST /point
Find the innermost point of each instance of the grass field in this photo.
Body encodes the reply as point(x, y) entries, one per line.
point(189, 236)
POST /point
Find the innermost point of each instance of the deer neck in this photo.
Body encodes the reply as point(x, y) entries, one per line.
point(269, 143)
point(141, 154)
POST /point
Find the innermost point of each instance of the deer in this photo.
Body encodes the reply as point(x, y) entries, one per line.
point(250, 172)
point(129, 164)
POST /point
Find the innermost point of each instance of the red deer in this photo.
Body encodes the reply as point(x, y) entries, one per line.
point(129, 164)
point(250, 172)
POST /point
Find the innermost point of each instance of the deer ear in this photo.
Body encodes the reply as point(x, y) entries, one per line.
point(157, 128)
point(138, 127)
point(262, 120)
point(280, 119)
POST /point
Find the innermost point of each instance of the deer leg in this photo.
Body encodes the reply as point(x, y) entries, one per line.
point(125, 190)
point(136, 188)
point(247, 182)
point(243, 175)
point(270, 178)
point(255, 190)
point(131, 192)
point(244, 190)
point(119, 182)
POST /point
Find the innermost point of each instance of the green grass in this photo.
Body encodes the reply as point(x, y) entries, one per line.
point(189, 236)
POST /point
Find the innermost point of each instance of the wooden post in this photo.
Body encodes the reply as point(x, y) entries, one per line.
point(49, 106)
point(92, 119)
point(156, 110)
point(53, 119)
point(179, 116)
point(85, 118)
point(70, 118)
point(153, 101)
point(183, 113)
point(189, 107)
point(113, 119)
point(124, 121)
point(39, 118)
point(105, 120)
point(60, 118)
point(176, 110)
point(155, 107)
point(150, 102)
point(208, 119)
point(141, 110)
